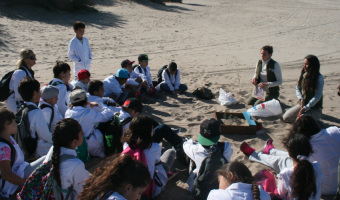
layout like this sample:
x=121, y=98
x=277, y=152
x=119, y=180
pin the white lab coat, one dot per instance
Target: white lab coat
x=146, y=74
x=132, y=78
x=122, y=116
x=80, y=84
x=80, y=51
x=63, y=96
x=173, y=81
x=101, y=101
x=112, y=86
x=48, y=114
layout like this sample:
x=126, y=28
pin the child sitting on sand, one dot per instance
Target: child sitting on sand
x=135, y=82
x=83, y=80
x=144, y=71
x=114, y=84
x=171, y=80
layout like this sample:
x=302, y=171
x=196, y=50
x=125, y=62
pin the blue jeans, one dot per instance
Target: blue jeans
x=166, y=88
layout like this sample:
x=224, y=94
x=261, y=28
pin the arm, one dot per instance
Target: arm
x=8, y=175
x=41, y=127
x=90, y=53
x=140, y=74
x=189, y=148
x=47, y=112
x=228, y=151
x=178, y=80
x=298, y=92
x=72, y=52
x=79, y=177
x=318, y=94
x=283, y=192
x=149, y=75
x=116, y=89
x=132, y=81
x=103, y=116
x=62, y=99
x=17, y=77
x=167, y=80
x=278, y=75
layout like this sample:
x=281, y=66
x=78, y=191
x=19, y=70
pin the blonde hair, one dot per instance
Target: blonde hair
x=24, y=53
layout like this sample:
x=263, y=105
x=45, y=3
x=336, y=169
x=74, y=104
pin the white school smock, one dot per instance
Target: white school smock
x=153, y=157
x=146, y=74
x=48, y=114
x=80, y=84
x=173, y=82
x=63, y=96
x=72, y=171
x=114, y=196
x=38, y=125
x=112, y=86
x=18, y=167
x=197, y=153
x=101, y=101
x=132, y=77
x=80, y=51
x=88, y=119
x=122, y=116
x=17, y=76
x=285, y=189
x=237, y=191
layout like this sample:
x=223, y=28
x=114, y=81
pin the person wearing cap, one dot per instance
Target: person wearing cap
x=88, y=119
x=135, y=81
x=209, y=135
x=47, y=104
x=114, y=84
x=144, y=71
x=171, y=80
x=83, y=80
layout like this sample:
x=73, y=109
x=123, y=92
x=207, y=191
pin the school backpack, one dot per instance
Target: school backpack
x=13, y=153
x=52, y=115
x=5, y=92
x=204, y=93
x=42, y=185
x=112, y=132
x=206, y=178
x=55, y=83
x=23, y=136
x=139, y=68
x=160, y=72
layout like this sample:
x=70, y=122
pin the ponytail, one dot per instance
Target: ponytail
x=24, y=53
x=65, y=131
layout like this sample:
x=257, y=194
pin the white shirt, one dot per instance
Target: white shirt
x=63, y=96
x=172, y=81
x=285, y=189
x=111, y=85
x=38, y=125
x=146, y=75
x=101, y=101
x=72, y=171
x=80, y=84
x=131, y=80
x=80, y=51
x=237, y=191
x=197, y=153
x=122, y=116
x=114, y=196
x=263, y=74
x=48, y=114
x=18, y=167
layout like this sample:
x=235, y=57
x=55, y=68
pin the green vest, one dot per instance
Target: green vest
x=307, y=96
x=270, y=75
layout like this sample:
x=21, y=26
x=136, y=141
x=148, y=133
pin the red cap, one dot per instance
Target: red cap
x=83, y=74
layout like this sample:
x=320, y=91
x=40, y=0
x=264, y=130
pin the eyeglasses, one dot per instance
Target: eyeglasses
x=32, y=57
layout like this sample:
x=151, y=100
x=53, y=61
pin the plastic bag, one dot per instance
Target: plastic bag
x=266, y=109
x=225, y=98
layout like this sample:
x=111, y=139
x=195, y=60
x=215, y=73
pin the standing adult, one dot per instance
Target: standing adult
x=268, y=76
x=308, y=90
x=24, y=68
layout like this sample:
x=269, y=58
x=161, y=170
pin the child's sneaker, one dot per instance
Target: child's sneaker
x=152, y=92
x=140, y=95
x=246, y=149
x=172, y=175
x=268, y=146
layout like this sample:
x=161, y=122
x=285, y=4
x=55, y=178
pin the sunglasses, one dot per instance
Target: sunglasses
x=32, y=57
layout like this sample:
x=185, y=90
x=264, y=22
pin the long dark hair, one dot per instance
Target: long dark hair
x=65, y=131
x=139, y=132
x=5, y=116
x=303, y=179
x=306, y=126
x=241, y=174
x=312, y=76
x=117, y=172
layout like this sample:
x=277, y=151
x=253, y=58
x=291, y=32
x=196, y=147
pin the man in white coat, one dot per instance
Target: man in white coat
x=79, y=50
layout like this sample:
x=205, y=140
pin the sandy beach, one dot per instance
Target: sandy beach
x=216, y=44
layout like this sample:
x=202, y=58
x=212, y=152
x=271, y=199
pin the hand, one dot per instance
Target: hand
x=139, y=80
x=302, y=103
x=178, y=91
x=93, y=104
x=253, y=81
x=302, y=111
x=263, y=85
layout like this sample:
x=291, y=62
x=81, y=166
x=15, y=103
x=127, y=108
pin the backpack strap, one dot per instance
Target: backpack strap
x=69, y=190
x=52, y=115
x=27, y=109
x=220, y=147
x=125, y=121
x=13, y=153
x=55, y=83
x=140, y=69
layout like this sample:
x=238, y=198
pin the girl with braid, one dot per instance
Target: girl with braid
x=67, y=135
x=237, y=183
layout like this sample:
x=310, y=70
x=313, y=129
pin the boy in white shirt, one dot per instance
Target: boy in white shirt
x=209, y=135
x=171, y=80
x=47, y=104
x=144, y=71
x=62, y=75
x=79, y=50
x=83, y=80
x=29, y=89
x=135, y=81
x=114, y=85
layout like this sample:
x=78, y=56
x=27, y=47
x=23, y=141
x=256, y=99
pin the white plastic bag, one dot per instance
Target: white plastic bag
x=266, y=109
x=225, y=98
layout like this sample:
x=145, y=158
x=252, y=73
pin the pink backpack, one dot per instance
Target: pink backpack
x=266, y=179
x=140, y=156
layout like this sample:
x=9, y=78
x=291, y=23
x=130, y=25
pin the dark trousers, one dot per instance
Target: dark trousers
x=163, y=131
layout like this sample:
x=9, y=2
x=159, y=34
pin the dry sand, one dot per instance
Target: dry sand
x=215, y=43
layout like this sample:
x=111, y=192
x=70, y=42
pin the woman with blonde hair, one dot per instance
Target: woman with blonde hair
x=24, y=68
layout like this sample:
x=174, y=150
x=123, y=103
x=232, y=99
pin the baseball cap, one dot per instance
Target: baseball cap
x=83, y=74
x=123, y=73
x=143, y=57
x=134, y=104
x=209, y=132
x=49, y=92
x=77, y=95
x=126, y=63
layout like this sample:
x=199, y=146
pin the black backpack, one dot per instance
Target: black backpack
x=206, y=179
x=204, y=93
x=160, y=72
x=23, y=136
x=13, y=153
x=5, y=92
x=52, y=115
x=112, y=132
